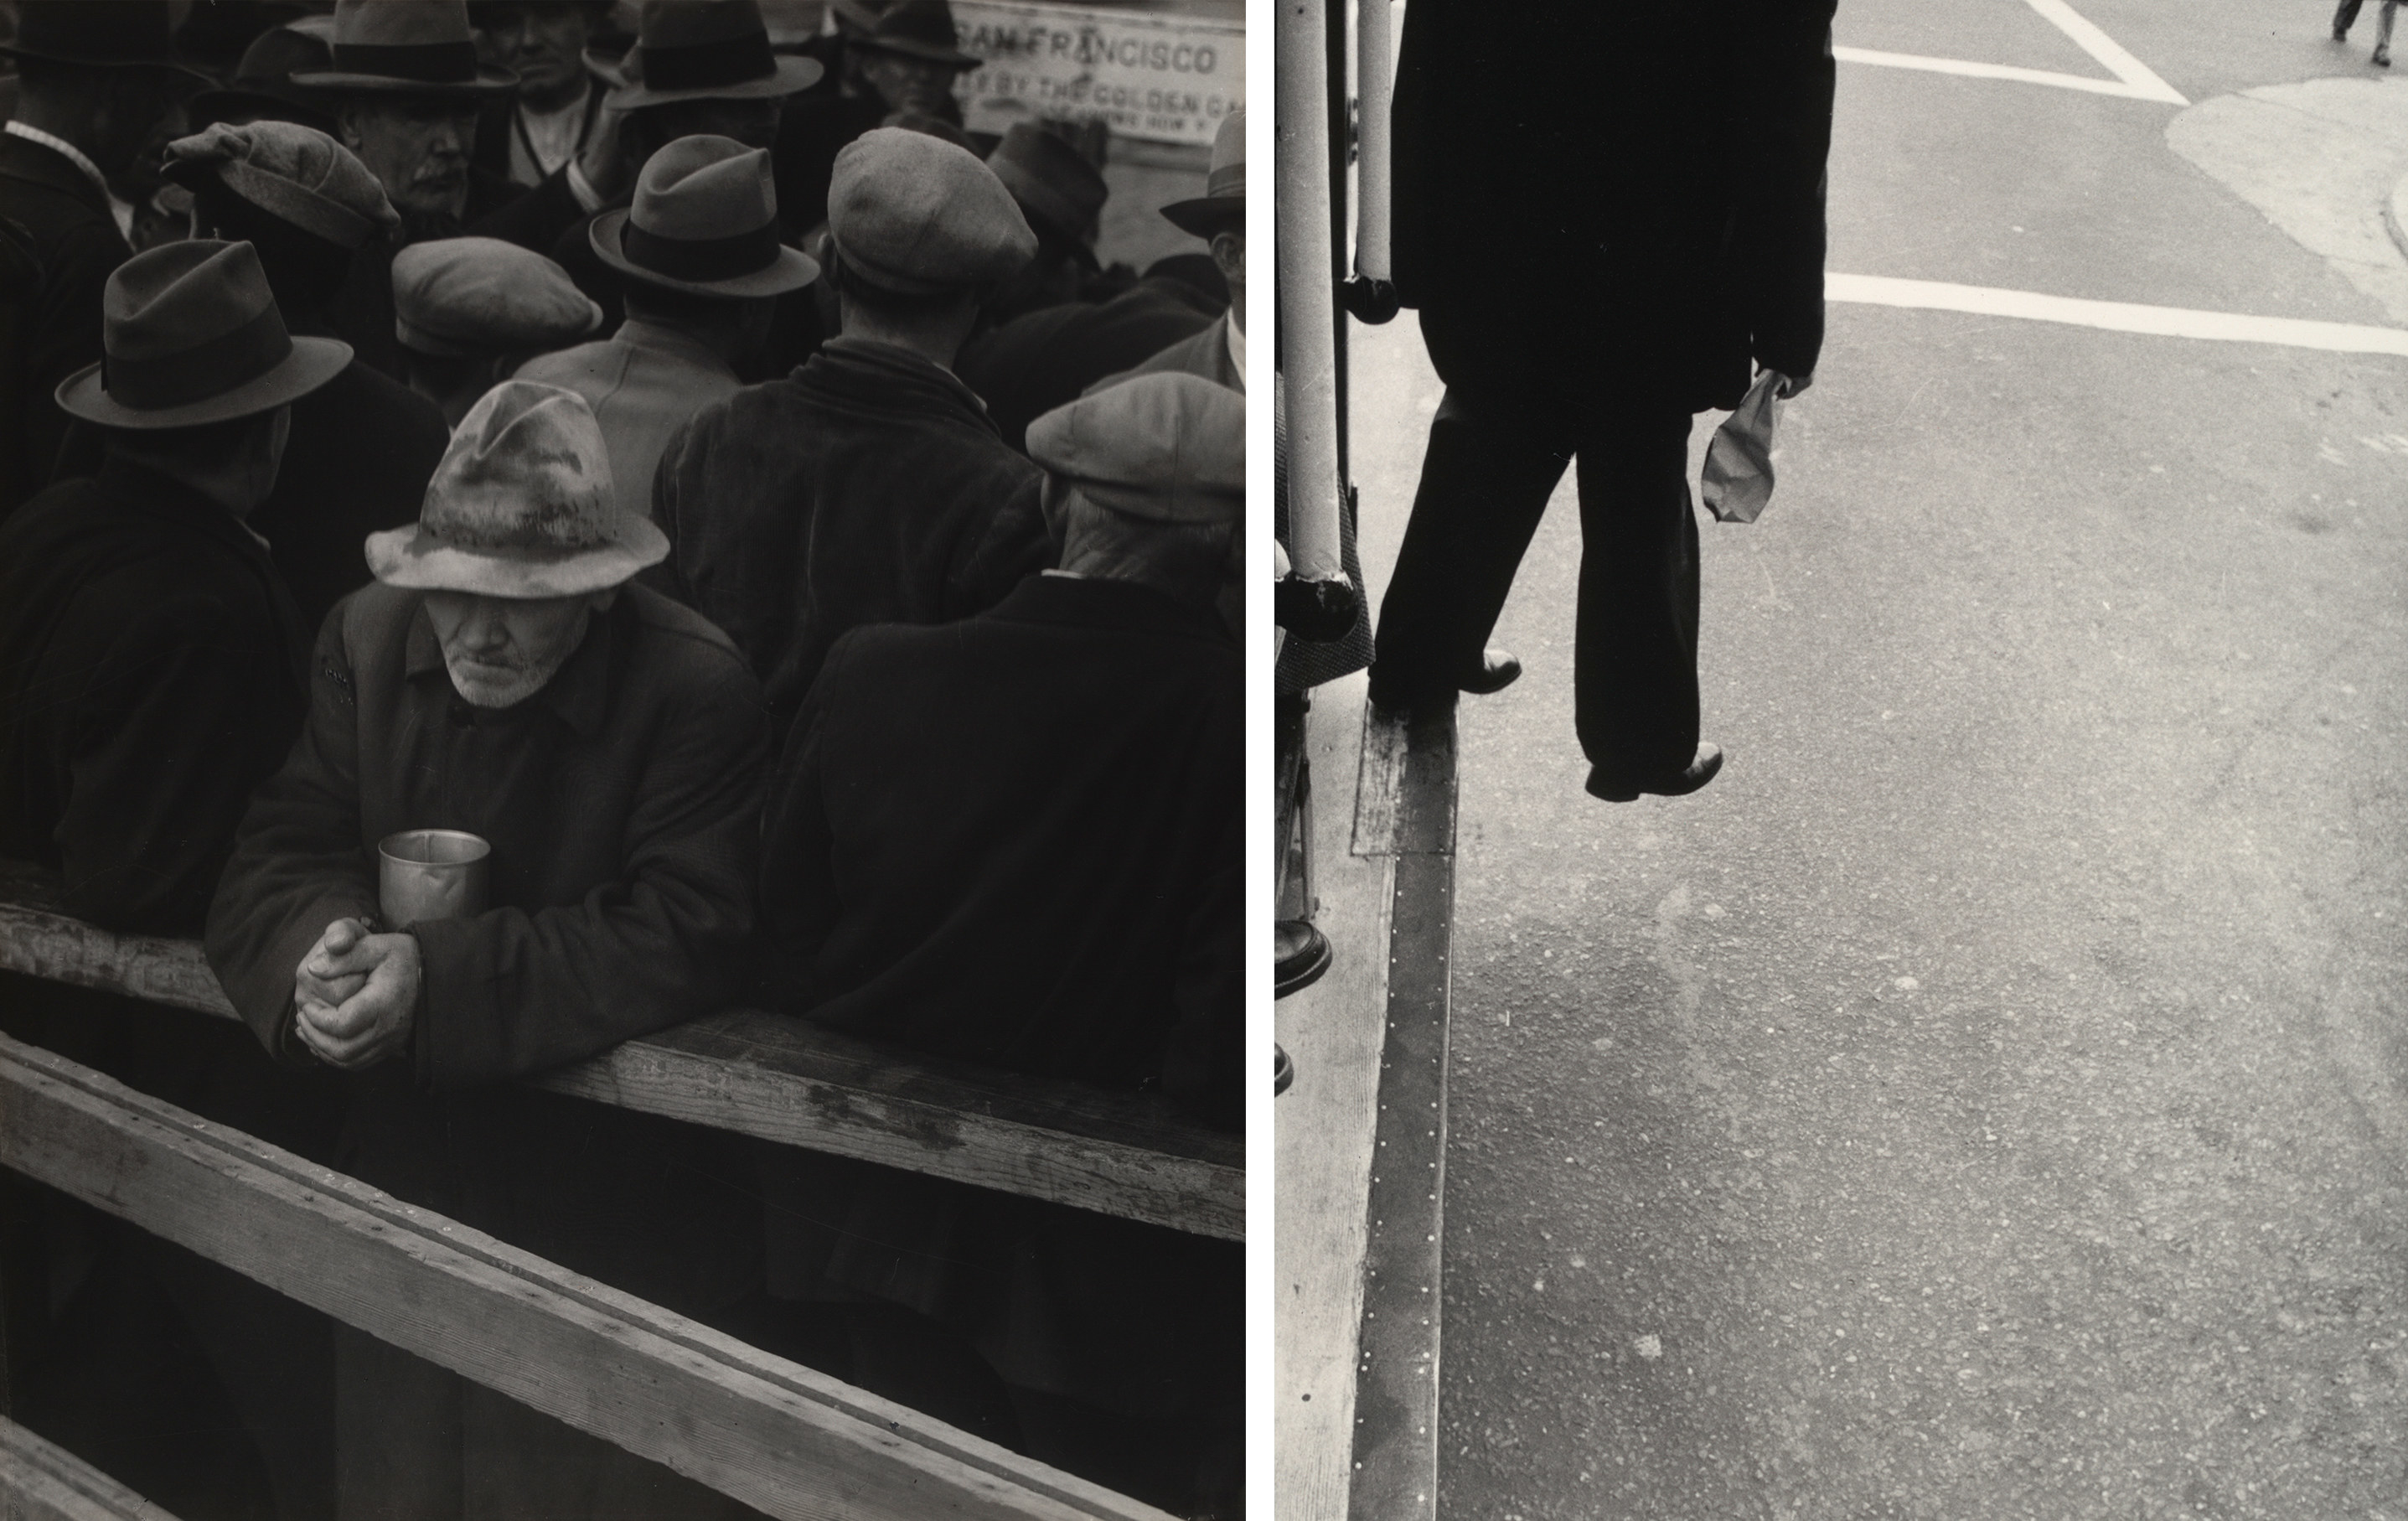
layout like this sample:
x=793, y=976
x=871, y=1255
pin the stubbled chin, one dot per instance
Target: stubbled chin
x=481, y=690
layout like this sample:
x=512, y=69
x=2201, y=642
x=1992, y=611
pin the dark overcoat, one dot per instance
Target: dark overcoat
x=152, y=674
x=1016, y=840
x=623, y=803
x=1614, y=198
x=75, y=245
x=867, y=487
x=1046, y=359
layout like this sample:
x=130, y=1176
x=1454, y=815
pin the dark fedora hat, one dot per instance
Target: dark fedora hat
x=405, y=47
x=133, y=34
x=190, y=335
x=922, y=29
x=1222, y=207
x=692, y=49
x=705, y=220
x=1052, y=180
x=262, y=86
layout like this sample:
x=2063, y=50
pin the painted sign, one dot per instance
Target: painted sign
x=1159, y=79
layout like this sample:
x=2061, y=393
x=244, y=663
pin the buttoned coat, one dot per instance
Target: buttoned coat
x=66, y=227
x=152, y=674
x=643, y=382
x=623, y=803
x=869, y=486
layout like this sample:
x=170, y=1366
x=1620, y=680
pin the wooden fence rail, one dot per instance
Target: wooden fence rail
x=40, y=1481
x=793, y=1443
x=778, y=1079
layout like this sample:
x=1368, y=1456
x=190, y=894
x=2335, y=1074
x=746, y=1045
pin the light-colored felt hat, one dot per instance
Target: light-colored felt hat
x=705, y=220
x=1223, y=205
x=1167, y=447
x=521, y=506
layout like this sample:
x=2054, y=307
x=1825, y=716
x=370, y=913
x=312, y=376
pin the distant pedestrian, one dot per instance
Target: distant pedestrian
x=2346, y=17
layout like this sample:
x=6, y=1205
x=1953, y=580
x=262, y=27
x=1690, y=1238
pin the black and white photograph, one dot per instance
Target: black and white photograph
x=624, y=773
x=1842, y=834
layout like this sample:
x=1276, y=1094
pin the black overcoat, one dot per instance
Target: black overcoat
x=1049, y=358
x=74, y=244
x=1614, y=198
x=622, y=802
x=867, y=487
x=152, y=674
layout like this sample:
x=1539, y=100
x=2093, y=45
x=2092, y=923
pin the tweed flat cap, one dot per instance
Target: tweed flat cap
x=915, y=214
x=454, y=297
x=294, y=173
x=521, y=505
x=1166, y=447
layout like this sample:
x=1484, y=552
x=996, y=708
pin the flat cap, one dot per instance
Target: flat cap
x=455, y=296
x=294, y=173
x=1167, y=447
x=913, y=213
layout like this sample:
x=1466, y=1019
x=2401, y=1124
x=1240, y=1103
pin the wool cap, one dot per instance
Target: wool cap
x=1223, y=205
x=911, y=213
x=1167, y=447
x=190, y=334
x=521, y=505
x=454, y=297
x=292, y=172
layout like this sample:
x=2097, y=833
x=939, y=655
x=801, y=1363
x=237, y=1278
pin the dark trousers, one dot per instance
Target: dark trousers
x=1491, y=464
x=2345, y=17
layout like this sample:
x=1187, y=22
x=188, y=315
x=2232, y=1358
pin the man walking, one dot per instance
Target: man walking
x=1593, y=268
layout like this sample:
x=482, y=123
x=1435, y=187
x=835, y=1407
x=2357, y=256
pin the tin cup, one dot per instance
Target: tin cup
x=424, y=874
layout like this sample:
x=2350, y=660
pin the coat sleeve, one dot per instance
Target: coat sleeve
x=798, y=899
x=509, y=993
x=298, y=865
x=1788, y=78
x=164, y=755
x=63, y=335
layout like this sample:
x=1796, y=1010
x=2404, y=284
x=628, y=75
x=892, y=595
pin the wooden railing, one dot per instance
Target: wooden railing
x=790, y=1442
x=778, y=1079
x=42, y=1481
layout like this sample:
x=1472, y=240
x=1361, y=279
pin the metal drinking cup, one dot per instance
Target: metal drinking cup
x=424, y=874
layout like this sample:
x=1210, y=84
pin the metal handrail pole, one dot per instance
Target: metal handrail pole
x=1307, y=307
x=1374, y=85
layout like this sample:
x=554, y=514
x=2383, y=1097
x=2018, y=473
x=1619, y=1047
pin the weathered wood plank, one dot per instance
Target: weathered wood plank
x=789, y=1440
x=40, y=1481
x=780, y=1079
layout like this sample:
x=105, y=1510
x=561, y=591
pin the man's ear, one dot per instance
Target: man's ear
x=1229, y=254
x=346, y=126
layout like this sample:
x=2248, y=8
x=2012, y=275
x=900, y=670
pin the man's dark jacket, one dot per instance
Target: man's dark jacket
x=75, y=246
x=1046, y=359
x=867, y=487
x=361, y=448
x=1016, y=840
x=152, y=674
x=623, y=803
x=1613, y=198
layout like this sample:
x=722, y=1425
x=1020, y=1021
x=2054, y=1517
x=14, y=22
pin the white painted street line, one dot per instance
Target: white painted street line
x=2133, y=79
x=2115, y=316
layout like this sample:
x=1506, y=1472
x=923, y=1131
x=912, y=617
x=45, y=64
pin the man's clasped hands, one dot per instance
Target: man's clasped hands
x=357, y=995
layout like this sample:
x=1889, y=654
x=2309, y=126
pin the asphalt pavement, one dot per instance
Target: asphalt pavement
x=1990, y=1097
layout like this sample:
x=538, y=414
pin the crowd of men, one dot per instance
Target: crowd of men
x=682, y=455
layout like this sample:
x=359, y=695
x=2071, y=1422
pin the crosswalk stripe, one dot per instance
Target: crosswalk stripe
x=2115, y=316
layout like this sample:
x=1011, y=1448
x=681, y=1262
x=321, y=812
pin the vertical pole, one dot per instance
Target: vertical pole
x=1375, y=82
x=1307, y=304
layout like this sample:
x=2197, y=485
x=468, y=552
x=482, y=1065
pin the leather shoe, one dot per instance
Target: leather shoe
x=1621, y=789
x=1299, y=955
x=1499, y=670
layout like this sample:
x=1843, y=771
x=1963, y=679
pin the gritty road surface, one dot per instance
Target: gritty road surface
x=1989, y=1098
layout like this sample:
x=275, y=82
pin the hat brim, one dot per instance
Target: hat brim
x=211, y=106
x=415, y=560
x=927, y=53
x=794, y=76
x=311, y=364
x=13, y=51
x=1207, y=214
x=489, y=82
x=790, y=271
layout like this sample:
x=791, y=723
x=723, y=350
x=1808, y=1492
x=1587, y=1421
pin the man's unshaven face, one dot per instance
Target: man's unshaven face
x=418, y=148
x=502, y=650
